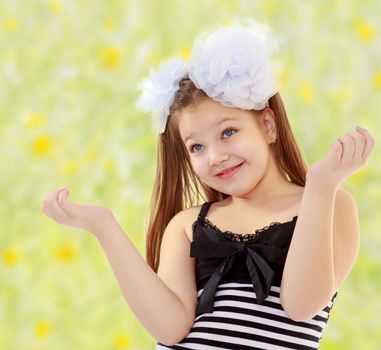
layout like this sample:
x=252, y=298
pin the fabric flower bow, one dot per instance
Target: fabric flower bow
x=158, y=90
x=231, y=65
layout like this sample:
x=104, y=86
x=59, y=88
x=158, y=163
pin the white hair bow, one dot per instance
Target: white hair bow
x=230, y=64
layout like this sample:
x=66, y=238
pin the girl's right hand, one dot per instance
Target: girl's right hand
x=87, y=217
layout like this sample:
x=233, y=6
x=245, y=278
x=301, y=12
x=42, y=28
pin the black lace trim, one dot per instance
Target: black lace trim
x=238, y=237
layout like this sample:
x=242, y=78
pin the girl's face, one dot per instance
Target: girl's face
x=218, y=137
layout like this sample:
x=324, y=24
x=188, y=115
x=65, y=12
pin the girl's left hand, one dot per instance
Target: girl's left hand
x=348, y=154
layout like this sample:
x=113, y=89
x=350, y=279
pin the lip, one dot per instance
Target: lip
x=229, y=172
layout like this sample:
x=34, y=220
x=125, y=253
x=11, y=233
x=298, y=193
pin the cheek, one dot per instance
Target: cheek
x=251, y=152
x=198, y=168
x=249, y=148
x=243, y=150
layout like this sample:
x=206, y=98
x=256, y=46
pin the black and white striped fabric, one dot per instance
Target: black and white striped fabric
x=238, y=323
x=234, y=318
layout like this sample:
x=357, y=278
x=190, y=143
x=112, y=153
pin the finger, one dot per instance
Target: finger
x=46, y=204
x=52, y=207
x=69, y=208
x=338, y=149
x=348, y=148
x=47, y=210
x=359, y=146
x=58, y=205
x=369, y=142
x=53, y=194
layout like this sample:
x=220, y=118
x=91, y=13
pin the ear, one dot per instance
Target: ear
x=267, y=121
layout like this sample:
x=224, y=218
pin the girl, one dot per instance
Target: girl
x=224, y=135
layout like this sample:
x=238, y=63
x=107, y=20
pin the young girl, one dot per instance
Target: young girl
x=224, y=135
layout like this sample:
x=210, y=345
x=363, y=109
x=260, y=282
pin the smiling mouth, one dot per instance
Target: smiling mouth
x=228, y=171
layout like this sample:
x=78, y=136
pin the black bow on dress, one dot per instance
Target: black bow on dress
x=209, y=246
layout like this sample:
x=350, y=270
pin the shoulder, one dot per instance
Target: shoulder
x=187, y=217
x=346, y=234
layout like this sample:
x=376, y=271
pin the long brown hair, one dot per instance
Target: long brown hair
x=177, y=187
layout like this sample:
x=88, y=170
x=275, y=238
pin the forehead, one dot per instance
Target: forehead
x=206, y=116
x=191, y=134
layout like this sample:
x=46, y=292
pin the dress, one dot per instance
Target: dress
x=238, y=283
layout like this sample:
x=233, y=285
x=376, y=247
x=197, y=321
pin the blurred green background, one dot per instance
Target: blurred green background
x=68, y=79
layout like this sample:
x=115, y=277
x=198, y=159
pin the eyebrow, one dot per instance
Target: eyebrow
x=219, y=122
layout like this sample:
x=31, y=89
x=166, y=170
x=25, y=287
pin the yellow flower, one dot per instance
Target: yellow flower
x=91, y=153
x=10, y=257
x=377, y=79
x=226, y=22
x=306, y=92
x=282, y=77
x=185, y=53
x=108, y=165
x=153, y=58
x=34, y=54
x=42, y=145
x=365, y=30
x=342, y=94
x=12, y=24
x=109, y=25
x=42, y=330
x=267, y=6
x=121, y=340
x=33, y=121
x=55, y=6
x=358, y=177
x=71, y=167
x=66, y=252
x=111, y=56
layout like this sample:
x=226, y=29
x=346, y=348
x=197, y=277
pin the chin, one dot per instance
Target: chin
x=234, y=192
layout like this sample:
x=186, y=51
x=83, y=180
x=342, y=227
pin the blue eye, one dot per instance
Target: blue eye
x=227, y=130
x=197, y=144
x=193, y=146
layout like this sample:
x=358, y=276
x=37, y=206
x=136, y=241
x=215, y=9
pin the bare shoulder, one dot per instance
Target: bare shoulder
x=188, y=217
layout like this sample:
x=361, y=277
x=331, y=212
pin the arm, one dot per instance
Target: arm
x=171, y=292
x=322, y=251
x=158, y=309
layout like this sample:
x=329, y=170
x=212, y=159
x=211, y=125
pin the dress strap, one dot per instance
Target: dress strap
x=204, y=209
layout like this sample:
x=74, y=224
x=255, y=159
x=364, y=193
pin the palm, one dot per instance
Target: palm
x=87, y=217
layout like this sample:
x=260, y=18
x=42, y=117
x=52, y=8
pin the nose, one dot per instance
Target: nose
x=217, y=155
